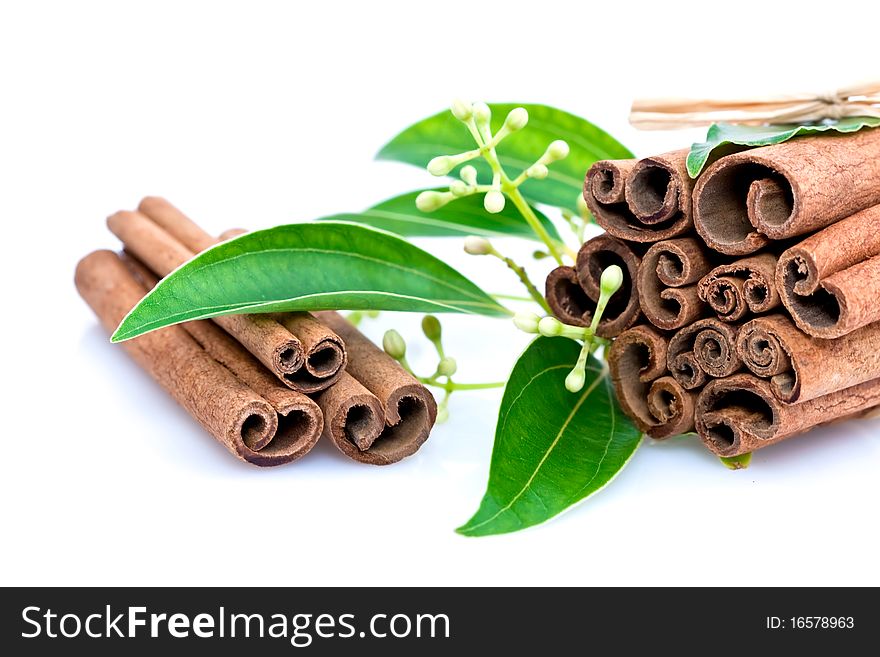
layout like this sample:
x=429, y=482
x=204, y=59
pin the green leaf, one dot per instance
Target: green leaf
x=463, y=217
x=726, y=137
x=740, y=462
x=443, y=134
x=326, y=266
x=552, y=448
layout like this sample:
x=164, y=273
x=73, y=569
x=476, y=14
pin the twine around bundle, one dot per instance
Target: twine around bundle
x=671, y=113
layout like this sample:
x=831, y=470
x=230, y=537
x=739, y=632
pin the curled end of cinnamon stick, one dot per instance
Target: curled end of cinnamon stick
x=672, y=407
x=658, y=189
x=676, y=264
x=593, y=258
x=324, y=353
x=268, y=438
x=762, y=347
x=816, y=307
x=637, y=357
x=566, y=297
x=736, y=414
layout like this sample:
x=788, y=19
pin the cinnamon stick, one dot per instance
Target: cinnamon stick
x=377, y=412
x=656, y=403
x=665, y=283
x=593, y=257
x=641, y=201
x=801, y=367
x=829, y=282
x=706, y=348
x=740, y=413
x=229, y=409
x=785, y=190
x=747, y=285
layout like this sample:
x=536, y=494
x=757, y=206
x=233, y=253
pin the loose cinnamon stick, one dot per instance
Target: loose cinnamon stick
x=705, y=348
x=829, y=282
x=747, y=285
x=740, y=413
x=377, y=412
x=787, y=189
x=666, y=277
x=657, y=404
x=801, y=367
x=594, y=256
x=641, y=201
x=242, y=420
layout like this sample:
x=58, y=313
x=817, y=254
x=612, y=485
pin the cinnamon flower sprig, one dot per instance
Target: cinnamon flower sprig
x=609, y=283
x=395, y=346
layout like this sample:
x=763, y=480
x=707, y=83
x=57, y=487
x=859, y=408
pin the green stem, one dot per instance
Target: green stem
x=524, y=279
x=450, y=386
x=511, y=297
x=528, y=214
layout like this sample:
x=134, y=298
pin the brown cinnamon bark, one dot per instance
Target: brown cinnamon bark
x=740, y=413
x=829, y=282
x=706, y=348
x=747, y=285
x=377, y=412
x=801, y=367
x=657, y=404
x=641, y=201
x=787, y=189
x=236, y=415
x=666, y=277
x=593, y=257
x=567, y=298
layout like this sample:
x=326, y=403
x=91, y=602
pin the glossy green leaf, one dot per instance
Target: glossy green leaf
x=553, y=448
x=724, y=138
x=326, y=266
x=463, y=217
x=443, y=134
x=740, y=462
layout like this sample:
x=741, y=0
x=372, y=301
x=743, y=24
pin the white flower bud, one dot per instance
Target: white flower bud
x=550, y=327
x=462, y=110
x=574, y=382
x=430, y=200
x=394, y=344
x=516, y=119
x=493, y=202
x=526, y=321
x=482, y=113
x=557, y=150
x=458, y=188
x=469, y=174
x=447, y=367
x=441, y=165
x=611, y=280
x=537, y=171
x=475, y=245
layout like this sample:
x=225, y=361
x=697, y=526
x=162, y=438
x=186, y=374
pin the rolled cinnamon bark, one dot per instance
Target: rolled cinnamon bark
x=567, y=298
x=376, y=412
x=705, y=348
x=665, y=283
x=229, y=409
x=787, y=189
x=657, y=404
x=306, y=363
x=829, y=281
x=641, y=201
x=801, y=367
x=622, y=310
x=747, y=285
x=740, y=413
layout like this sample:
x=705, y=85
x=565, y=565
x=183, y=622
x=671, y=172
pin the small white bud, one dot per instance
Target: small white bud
x=550, y=327
x=482, y=113
x=574, y=382
x=441, y=165
x=469, y=174
x=475, y=245
x=430, y=201
x=447, y=367
x=516, y=119
x=526, y=321
x=611, y=280
x=557, y=150
x=493, y=202
x=537, y=171
x=462, y=110
x=458, y=188
x=442, y=415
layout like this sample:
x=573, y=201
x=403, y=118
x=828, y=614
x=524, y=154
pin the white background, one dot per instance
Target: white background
x=255, y=114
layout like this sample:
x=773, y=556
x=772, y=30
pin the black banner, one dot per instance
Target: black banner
x=433, y=621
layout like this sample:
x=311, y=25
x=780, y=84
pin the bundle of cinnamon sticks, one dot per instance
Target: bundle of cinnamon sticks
x=267, y=387
x=748, y=311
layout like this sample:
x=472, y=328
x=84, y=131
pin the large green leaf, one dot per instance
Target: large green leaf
x=552, y=448
x=462, y=217
x=443, y=134
x=722, y=138
x=326, y=266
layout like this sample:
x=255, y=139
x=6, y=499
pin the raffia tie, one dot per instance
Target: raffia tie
x=671, y=113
